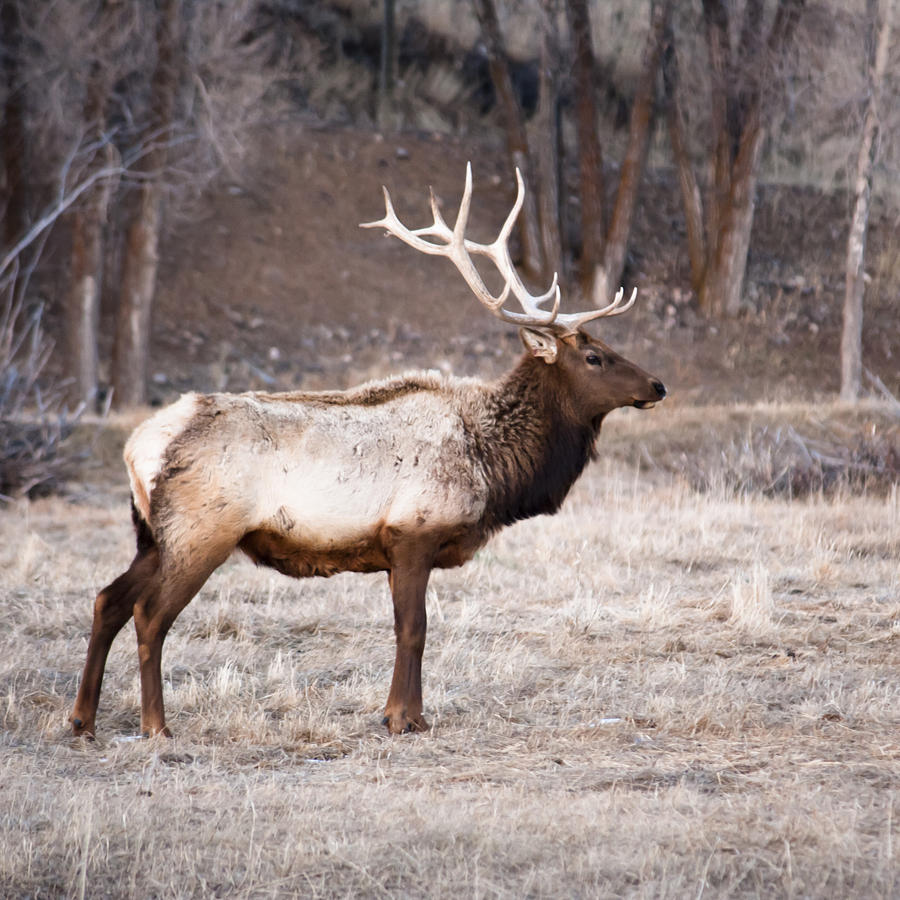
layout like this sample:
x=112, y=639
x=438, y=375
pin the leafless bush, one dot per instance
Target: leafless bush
x=779, y=451
x=34, y=419
x=780, y=461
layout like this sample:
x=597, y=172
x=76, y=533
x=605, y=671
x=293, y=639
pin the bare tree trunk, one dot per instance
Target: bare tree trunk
x=131, y=351
x=590, y=155
x=516, y=134
x=13, y=193
x=851, y=336
x=690, y=192
x=388, y=66
x=82, y=308
x=139, y=267
x=739, y=134
x=635, y=158
x=730, y=263
x=715, y=15
x=549, y=140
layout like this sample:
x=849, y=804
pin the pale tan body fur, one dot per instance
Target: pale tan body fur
x=326, y=472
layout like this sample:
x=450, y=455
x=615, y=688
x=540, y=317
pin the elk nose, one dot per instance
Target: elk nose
x=660, y=389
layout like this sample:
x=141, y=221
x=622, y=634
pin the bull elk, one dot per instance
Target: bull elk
x=403, y=476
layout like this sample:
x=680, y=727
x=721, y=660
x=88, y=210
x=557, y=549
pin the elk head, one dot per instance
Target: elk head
x=594, y=379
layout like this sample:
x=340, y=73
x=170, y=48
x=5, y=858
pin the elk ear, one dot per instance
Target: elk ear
x=539, y=343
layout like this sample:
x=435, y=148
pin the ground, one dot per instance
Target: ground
x=658, y=692
x=683, y=684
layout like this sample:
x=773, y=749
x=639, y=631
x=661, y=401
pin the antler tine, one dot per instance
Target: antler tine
x=436, y=214
x=462, y=217
x=449, y=247
x=506, y=230
x=392, y=224
x=571, y=322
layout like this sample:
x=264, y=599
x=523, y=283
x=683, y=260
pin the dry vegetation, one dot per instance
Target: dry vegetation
x=660, y=692
x=35, y=421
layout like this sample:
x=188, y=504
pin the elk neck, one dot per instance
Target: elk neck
x=532, y=445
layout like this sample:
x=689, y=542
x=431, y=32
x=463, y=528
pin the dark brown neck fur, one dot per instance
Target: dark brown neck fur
x=532, y=446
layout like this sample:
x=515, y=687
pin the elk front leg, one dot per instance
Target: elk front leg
x=403, y=711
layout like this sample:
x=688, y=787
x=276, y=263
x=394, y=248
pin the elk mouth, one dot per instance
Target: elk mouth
x=661, y=392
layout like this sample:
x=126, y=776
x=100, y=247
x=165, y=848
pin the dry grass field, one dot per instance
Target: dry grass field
x=659, y=692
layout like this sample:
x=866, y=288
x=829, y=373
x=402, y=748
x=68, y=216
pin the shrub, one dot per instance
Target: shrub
x=780, y=461
x=34, y=418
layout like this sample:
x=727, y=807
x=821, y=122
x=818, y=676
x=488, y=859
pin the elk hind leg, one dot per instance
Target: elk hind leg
x=113, y=607
x=154, y=615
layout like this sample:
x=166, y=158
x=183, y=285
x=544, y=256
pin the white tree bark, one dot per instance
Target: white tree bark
x=851, y=337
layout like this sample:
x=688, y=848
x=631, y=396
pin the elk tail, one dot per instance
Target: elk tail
x=145, y=539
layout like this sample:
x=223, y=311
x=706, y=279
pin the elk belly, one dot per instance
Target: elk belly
x=301, y=559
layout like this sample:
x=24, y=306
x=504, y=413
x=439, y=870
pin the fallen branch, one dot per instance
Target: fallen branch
x=882, y=389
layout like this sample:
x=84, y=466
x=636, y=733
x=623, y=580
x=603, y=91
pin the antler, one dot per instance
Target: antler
x=453, y=244
x=457, y=248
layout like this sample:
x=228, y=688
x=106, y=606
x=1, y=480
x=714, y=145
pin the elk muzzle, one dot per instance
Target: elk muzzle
x=660, y=389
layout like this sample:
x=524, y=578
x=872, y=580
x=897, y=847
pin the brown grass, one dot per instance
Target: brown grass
x=659, y=692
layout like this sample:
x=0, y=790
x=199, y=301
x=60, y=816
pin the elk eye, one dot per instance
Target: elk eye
x=593, y=360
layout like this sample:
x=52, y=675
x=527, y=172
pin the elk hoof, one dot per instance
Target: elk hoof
x=147, y=733
x=405, y=725
x=81, y=729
